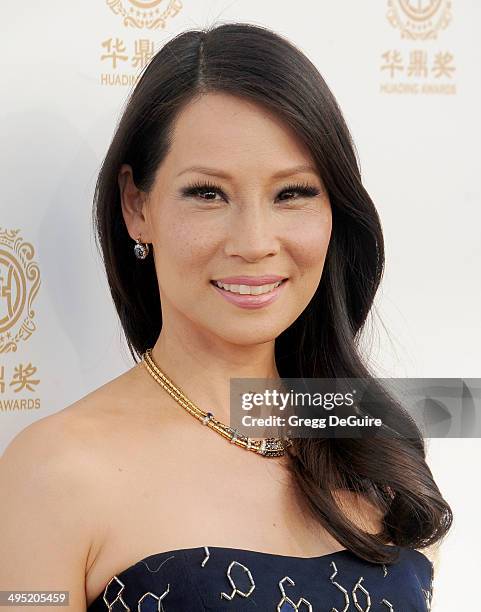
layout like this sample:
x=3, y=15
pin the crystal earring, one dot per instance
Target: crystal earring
x=141, y=249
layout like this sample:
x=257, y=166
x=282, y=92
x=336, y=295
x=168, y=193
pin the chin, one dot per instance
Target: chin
x=248, y=334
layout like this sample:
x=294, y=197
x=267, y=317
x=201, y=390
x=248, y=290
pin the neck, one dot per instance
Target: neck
x=201, y=366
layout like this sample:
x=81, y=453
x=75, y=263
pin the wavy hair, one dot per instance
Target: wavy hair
x=259, y=65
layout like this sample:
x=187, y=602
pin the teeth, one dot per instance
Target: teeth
x=248, y=289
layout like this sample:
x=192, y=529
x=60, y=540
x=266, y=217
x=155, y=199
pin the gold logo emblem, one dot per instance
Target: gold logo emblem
x=19, y=285
x=419, y=19
x=150, y=14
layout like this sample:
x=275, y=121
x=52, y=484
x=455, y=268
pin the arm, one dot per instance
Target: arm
x=45, y=534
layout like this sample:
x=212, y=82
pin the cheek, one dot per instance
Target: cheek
x=309, y=240
x=184, y=251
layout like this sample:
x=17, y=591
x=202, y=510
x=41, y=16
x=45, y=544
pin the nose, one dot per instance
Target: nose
x=252, y=234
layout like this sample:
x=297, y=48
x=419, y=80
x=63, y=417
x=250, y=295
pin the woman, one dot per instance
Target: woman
x=231, y=168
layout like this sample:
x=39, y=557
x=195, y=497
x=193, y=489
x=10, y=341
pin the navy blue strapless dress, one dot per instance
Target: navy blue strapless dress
x=234, y=580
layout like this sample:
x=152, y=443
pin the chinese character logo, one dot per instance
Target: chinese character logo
x=150, y=14
x=116, y=52
x=19, y=285
x=419, y=19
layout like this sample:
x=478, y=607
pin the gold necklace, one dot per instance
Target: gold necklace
x=268, y=447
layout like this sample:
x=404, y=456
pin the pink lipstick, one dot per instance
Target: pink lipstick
x=251, y=301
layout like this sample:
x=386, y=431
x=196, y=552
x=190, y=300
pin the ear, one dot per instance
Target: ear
x=133, y=202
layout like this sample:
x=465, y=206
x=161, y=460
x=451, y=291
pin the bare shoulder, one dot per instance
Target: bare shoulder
x=62, y=449
x=114, y=398
x=72, y=431
x=52, y=477
x=84, y=441
x=46, y=526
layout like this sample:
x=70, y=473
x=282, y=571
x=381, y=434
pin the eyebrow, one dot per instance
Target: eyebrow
x=224, y=175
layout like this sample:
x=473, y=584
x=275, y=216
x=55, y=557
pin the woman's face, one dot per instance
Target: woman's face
x=232, y=216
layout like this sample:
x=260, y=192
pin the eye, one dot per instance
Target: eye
x=304, y=190
x=199, y=189
x=195, y=189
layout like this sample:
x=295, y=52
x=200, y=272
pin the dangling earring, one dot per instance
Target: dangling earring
x=141, y=249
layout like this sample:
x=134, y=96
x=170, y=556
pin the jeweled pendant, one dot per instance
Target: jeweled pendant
x=273, y=447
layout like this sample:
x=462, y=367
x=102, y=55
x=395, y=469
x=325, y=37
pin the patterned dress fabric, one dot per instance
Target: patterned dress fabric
x=234, y=580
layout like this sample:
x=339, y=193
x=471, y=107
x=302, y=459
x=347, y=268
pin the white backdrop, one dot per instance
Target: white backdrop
x=407, y=76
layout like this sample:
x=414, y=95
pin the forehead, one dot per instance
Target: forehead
x=234, y=134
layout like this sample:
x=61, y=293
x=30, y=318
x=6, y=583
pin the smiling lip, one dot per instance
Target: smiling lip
x=251, y=301
x=250, y=280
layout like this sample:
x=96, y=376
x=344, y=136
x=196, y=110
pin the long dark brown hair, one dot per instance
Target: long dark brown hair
x=259, y=65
